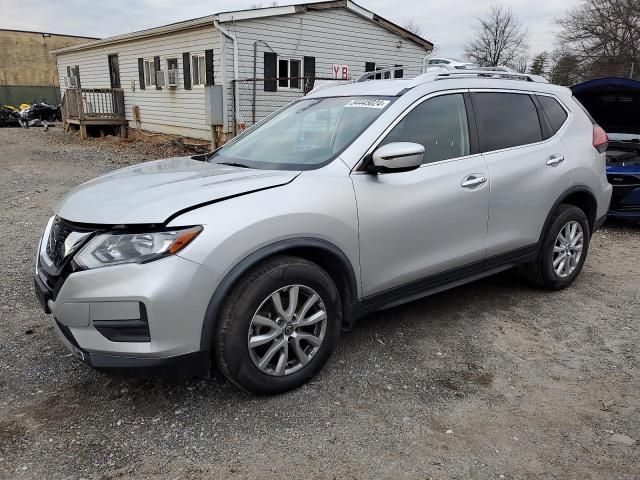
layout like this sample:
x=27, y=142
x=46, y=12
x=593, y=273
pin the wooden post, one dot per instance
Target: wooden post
x=80, y=104
x=83, y=131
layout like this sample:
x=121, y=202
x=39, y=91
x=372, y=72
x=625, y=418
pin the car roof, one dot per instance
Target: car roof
x=346, y=89
x=434, y=82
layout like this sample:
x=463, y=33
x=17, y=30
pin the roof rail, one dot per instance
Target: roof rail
x=442, y=71
x=477, y=73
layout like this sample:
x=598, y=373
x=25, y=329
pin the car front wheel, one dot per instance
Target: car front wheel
x=278, y=326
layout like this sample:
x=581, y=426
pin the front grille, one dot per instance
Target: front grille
x=60, y=230
x=623, y=180
x=60, y=254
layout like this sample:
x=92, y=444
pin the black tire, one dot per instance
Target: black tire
x=540, y=272
x=231, y=350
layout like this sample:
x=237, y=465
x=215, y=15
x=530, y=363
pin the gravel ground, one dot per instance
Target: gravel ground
x=490, y=380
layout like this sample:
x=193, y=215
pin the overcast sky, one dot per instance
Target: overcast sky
x=445, y=22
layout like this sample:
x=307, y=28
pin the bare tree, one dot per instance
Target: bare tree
x=603, y=36
x=520, y=64
x=500, y=39
x=413, y=27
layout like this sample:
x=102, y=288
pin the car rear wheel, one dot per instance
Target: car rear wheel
x=563, y=250
x=278, y=326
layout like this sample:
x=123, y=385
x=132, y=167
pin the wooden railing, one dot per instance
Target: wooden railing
x=93, y=104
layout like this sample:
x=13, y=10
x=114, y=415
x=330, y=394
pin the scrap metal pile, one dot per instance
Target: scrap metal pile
x=29, y=115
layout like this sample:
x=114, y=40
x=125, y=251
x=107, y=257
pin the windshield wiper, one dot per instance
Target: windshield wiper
x=234, y=164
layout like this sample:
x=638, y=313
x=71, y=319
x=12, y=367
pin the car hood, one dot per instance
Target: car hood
x=613, y=103
x=155, y=191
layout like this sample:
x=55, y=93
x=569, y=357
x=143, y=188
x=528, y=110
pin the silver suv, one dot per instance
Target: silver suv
x=355, y=198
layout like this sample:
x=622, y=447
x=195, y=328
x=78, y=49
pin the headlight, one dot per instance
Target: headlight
x=115, y=248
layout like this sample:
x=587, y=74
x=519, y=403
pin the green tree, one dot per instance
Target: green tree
x=539, y=64
x=565, y=69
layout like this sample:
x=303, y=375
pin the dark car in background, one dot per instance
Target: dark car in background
x=614, y=103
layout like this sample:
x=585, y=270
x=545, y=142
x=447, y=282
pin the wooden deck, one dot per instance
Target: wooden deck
x=94, y=106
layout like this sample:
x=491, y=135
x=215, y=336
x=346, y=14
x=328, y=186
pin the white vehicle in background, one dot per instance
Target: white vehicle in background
x=449, y=62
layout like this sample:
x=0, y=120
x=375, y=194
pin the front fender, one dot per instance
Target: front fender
x=323, y=209
x=246, y=264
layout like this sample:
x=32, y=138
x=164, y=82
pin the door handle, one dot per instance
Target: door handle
x=555, y=160
x=473, y=181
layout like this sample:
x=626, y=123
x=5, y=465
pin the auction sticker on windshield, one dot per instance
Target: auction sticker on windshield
x=367, y=103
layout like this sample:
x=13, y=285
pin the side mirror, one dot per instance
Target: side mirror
x=399, y=156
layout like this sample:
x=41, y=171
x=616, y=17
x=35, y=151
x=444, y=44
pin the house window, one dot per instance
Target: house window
x=149, y=72
x=289, y=73
x=198, y=70
x=172, y=72
x=172, y=63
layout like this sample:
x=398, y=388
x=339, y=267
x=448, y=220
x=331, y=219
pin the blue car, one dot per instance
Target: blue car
x=614, y=103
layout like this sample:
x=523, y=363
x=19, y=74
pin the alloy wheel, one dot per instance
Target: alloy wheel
x=567, y=249
x=287, y=330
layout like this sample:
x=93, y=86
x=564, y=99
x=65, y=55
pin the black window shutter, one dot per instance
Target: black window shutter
x=156, y=67
x=186, y=70
x=141, y=73
x=309, y=72
x=68, y=71
x=77, y=69
x=208, y=60
x=399, y=73
x=270, y=72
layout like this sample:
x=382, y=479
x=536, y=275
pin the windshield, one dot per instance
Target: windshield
x=306, y=135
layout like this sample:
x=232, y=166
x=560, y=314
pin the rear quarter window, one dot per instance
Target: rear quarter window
x=554, y=112
x=506, y=120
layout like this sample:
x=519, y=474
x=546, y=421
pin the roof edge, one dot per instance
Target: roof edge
x=241, y=15
x=37, y=32
x=140, y=34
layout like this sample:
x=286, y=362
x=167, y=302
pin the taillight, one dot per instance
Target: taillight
x=600, y=139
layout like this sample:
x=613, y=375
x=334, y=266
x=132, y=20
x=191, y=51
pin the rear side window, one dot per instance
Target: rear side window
x=554, y=112
x=439, y=124
x=506, y=120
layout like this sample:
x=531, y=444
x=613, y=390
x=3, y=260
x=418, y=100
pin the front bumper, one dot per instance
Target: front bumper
x=197, y=363
x=132, y=315
x=625, y=197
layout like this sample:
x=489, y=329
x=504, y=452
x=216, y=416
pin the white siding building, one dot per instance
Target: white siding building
x=295, y=44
